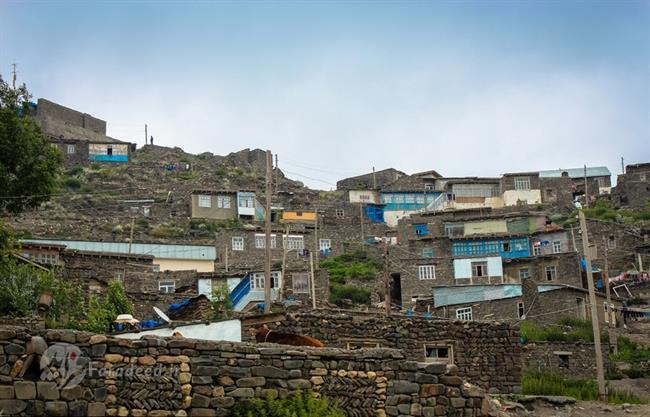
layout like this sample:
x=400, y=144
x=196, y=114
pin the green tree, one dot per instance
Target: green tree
x=29, y=166
x=220, y=305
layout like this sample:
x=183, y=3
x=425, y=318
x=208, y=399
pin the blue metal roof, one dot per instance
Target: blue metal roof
x=193, y=252
x=445, y=296
x=576, y=172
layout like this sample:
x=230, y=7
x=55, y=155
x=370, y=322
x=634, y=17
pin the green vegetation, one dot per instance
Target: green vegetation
x=357, y=265
x=299, y=405
x=71, y=183
x=634, y=354
x=354, y=293
x=568, y=329
x=604, y=211
x=220, y=305
x=215, y=225
x=102, y=312
x=187, y=175
x=29, y=165
x=167, y=230
x=546, y=383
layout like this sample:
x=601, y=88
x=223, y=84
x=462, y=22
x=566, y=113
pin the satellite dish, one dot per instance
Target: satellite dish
x=162, y=315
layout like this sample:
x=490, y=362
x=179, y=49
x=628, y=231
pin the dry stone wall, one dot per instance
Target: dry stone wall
x=486, y=353
x=182, y=377
x=567, y=359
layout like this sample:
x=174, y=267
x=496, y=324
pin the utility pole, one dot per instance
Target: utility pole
x=316, y=242
x=586, y=192
x=267, y=227
x=276, y=173
x=226, y=258
x=132, y=227
x=361, y=220
x=14, y=72
x=146, y=135
x=387, y=299
x=573, y=239
x=602, y=389
x=313, y=281
x=284, y=261
x=610, y=326
x=622, y=166
x=374, y=179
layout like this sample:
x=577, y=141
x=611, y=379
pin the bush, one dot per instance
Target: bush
x=547, y=383
x=299, y=405
x=356, y=265
x=353, y=293
x=102, y=312
x=629, y=351
x=568, y=329
x=72, y=183
x=167, y=230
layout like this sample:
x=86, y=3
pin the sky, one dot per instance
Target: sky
x=335, y=88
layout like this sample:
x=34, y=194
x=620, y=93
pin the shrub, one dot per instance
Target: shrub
x=568, y=329
x=299, y=405
x=356, y=265
x=353, y=293
x=547, y=383
x=167, y=230
x=72, y=183
x=629, y=351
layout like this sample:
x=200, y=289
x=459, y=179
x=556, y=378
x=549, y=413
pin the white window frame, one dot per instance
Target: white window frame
x=537, y=250
x=119, y=274
x=557, y=246
x=246, y=201
x=484, y=269
x=205, y=200
x=521, y=311
x=294, y=242
x=71, y=149
x=257, y=280
x=167, y=287
x=523, y=275
x=552, y=269
x=303, y=277
x=611, y=242
x=237, y=243
x=426, y=272
x=223, y=201
x=436, y=359
x=522, y=183
x=464, y=313
x=260, y=241
x=324, y=244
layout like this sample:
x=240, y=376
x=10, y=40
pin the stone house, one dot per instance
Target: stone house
x=80, y=137
x=214, y=205
x=598, y=180
x=633, y=187
x=371, y=180
x=559, y=268
x=406, y=196
x=520, y=189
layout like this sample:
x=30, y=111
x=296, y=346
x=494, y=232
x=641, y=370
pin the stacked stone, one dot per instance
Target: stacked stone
x=487, y=354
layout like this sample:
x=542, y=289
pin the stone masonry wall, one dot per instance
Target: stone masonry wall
x=180, y=377
x=486, y=353
x=567, y=359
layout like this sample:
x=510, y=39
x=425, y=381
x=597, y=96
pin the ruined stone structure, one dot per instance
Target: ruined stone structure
x=572, y=360
x=632, y=188
x=180, y=377
x=486, y=354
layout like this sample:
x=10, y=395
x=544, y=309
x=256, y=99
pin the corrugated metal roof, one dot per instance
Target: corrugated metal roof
x=445, y=296
x=194, y=252
x=576, y=172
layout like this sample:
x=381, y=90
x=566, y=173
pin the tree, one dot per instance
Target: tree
x=220, y=305
x=29, y=166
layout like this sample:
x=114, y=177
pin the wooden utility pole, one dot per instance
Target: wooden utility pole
x=313, y=281
x=275, y=180
x=374, y=179
x=611, y=332
x=573, y=239
x=267, y=227
x=284, y=261
x=316, y=242
x=226, y=258
x=146, y=135
x=586, y=192
x=602, y=389
x=387, y=299
x=622, y=166
x=361, y=220
x=132, y=227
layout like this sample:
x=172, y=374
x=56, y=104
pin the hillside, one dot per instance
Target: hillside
x=96, y=201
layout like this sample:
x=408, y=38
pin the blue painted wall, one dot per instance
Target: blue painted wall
x=407, y=200
x=519, y=247
x=109, y=158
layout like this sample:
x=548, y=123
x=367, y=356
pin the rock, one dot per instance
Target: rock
x=72, y=393
x=6, y=392
x=47, y=390
x=36, y=345
x=269, y=372
x=78, y=409
x=14, y=349
x=10, y=407
x=97, y=339
x=256, y=381
x=202, y=412
x=242, y=393
x=405, y=387
x=25, y=390
x=56, y=408
x=96, y=410
x=200, y=401
x=298, y=384
x=113, y=358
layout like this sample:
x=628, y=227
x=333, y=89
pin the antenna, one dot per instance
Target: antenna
x=14, y=72
x=162, y=315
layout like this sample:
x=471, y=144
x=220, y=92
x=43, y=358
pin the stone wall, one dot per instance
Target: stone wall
x=31, y=323
x=48, y=108
x=180, y=377
x=568, y=359
x=487, y=354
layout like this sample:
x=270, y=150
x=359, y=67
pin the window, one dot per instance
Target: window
x=506, y=246
x=409, y=198
x=71, y=149
x=557, y=246
x=601, y=183
x=155, y=268
x=387, y=198
x=429, y=187
x=642, y=177
x=611, y=242
x=426, y=272
x=398, y=198
x=257, y=280
x=223, y=201
x=438, y=353
x=551, y=273
x=119, y=275
x=246, y=201
x=419, y=199
x=420, y=230
x=205, y=201
x=524, y=273
x=479, y=269
x=563, y=359
x=325, y=244
x=364, y=197
x=166, y=286
x=237, y=243
x=260, y=241
x=537, y=250
x=520, y=310
x=522, y=183
x=146, y=212
x=454, y=229
x=300, y=282
x=294, y=242
x=340, y=213
x=464, y=313
x=428, y=253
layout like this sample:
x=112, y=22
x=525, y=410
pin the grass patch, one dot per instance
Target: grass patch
x=546, y=383
x=298, y=405
x=357, y=265
x=568, y=329
x=215, y=225
x=167, y=230
x=629, y=351
x=357, y=295
x=603, y=210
